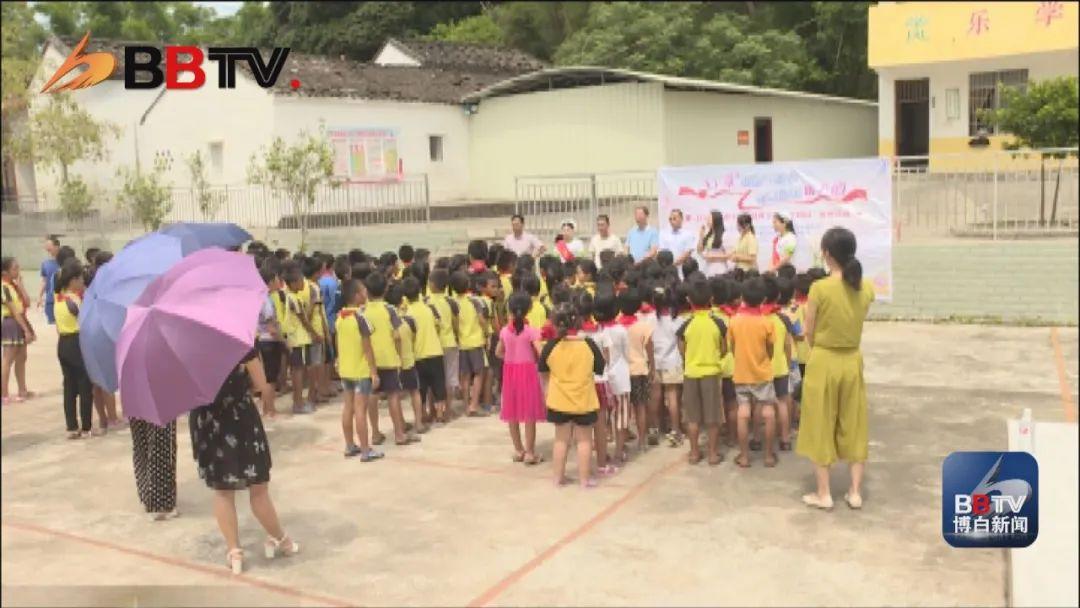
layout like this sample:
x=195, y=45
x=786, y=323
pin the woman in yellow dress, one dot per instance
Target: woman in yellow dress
x=746, y=250
x=834, y=416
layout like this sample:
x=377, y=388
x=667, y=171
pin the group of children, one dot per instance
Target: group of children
x=673, y=353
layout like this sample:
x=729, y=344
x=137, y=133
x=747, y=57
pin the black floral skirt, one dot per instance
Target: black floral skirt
x=229, y=443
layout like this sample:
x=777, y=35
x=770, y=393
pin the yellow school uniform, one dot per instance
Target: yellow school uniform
x=407, y=331
x=834, y=418
x=490, y=305
x=703, y=334
x=350, y=328
x=470, y=328
x=780, y=365
x=316, y=311
x=385, y=324
x=802, y=348
x=278, y=298
x=426, y=341
x=537, y=315
x=447, y=310
x=12, y=303
x=572, y=365
x=727, y=362
x=297, y=335
x=66, y=312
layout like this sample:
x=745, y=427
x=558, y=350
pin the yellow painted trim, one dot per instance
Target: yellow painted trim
x=907, y=33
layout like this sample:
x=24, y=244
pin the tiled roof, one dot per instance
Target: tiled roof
x=469, y=57
x=323, y=76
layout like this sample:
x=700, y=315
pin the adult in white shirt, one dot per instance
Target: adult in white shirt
x=604, y=240
x=521, y=242
x=679, y=241
x=784, y=243
x=710, y=245
x=571, y=247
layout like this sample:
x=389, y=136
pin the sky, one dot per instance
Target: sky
x=223, y=9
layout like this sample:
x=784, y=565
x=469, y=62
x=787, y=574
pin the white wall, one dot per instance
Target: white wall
x=615, y=127
x=954, y=74
x=414, y=122
x=702, y=128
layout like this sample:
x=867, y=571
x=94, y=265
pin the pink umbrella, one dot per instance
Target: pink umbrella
x=186, y=332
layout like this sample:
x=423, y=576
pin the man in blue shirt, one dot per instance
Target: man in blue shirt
x=48, y=273
x=679, y=241
x=643, y=240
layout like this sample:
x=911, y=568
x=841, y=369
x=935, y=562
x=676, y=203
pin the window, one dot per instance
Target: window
x=435, y=148
x=217, y=160
x=984, y=93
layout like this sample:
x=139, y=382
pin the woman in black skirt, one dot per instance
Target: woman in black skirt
x=154, y=457
x=232, y=453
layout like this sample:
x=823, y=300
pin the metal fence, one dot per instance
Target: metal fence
x=406, y=201
x=996, y=194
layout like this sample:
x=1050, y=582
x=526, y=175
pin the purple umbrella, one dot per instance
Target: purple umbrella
x=186, y=333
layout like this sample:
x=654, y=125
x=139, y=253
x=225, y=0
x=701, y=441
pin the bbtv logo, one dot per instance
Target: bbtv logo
x=178, y=59
x=990, y=499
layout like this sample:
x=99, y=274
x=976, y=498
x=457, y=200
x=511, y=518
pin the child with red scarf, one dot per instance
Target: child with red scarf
x=16, y=328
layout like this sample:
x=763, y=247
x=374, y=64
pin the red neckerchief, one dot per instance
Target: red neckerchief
x=626, y=320
x=729, y=310
x=607, y=324
x=571, y=332
x=750, y=310
x=564, y=251
x=768, y=309
x=801, y=299
x=547, y=332
x=589, y=326
x=775, y=256
x=700, y=308
x=647, y=308
x=477, y=266
x=18, y=293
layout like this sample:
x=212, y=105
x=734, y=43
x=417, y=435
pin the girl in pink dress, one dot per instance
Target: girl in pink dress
x=522, y=398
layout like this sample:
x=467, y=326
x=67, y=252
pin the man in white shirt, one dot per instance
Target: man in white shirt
x=603, y=240
x=679, y=241
x=521, y=242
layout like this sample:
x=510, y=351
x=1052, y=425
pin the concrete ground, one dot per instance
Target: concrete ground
x=452, y=521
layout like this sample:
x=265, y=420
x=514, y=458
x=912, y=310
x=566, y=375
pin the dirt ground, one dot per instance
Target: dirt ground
x=452, y=521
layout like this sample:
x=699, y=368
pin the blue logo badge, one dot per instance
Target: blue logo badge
x=990, y=499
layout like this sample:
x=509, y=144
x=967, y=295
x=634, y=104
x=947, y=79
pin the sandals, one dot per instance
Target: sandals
x=371, y=455
x=743, y=462
x=607, y=470
x=815, y=501
x=28, y=395
x=770, y=461
x=533, y=460
x=693, y=458
x=476, y=414
x=785, y=446
x=854, y=502
x=235, y=560
x=74, y=435
x=715, y=460
x=519, y=457
x=408, y=440
x=378, y=438
x=277, y=546
x=589, y=483
x=560, y=482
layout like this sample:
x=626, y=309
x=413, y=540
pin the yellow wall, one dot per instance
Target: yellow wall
x=617, y=127
x=902, y=33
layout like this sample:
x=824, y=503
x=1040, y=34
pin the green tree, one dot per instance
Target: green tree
x=172, y=22
x=1042, y=115
x=478, y=29
x=209, y=202
x=145, y=194
x=61, y=133
x=76, y=199
x=21, y=40
x=689, y=39
x=295, y=171
x=538, y=28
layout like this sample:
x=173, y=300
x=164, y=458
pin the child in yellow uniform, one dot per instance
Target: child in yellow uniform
x=702, y=342
x=301, y=336
x=571, y=361
x=781, y=360
x=834, y=418
x=538, y=312
x=751, y=337
x=430, y=366
x=319, y=375
x=472, y=321
x=724, y=294
x=69, y=286
x=447, y=309
x=489, y=289
x=410, y=379
x=355, y=364
x=17, y=331
x=386, y=345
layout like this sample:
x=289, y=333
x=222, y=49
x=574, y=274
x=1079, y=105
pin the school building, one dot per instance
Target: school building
x=465, y=119
x=938, y=63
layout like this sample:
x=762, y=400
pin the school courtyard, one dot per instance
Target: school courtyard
x=452, y=521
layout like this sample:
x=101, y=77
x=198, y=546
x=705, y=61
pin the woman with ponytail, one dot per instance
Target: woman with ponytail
x=834, y=416
x=522, y=399
x=784, y=243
